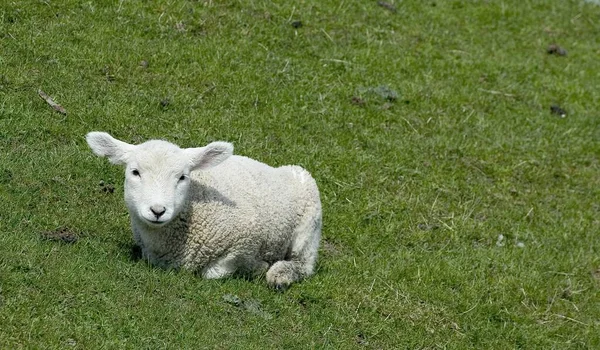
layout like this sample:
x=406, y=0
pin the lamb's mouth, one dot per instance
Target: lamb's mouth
x=156, y=222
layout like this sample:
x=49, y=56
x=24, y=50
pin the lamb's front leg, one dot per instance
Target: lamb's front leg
x=222, y=267
x=231, y=264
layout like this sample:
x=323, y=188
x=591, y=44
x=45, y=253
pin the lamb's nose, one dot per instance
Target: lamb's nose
x=158, y=210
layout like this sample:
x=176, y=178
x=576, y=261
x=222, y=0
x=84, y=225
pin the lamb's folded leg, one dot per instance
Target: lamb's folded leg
x=301, y=260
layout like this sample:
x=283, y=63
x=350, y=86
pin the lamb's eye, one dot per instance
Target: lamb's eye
x=182, y=178
x=135, y=172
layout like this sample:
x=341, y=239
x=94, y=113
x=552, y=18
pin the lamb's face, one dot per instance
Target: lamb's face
x=157, y=173
x=157, y=179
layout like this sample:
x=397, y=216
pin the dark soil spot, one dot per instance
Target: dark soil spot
x=165, y=102
x=106, y=188
x=297, y=24
x=357, y=101
x=556, y=110
x=63, y=234
x=556, y=50
x=107, y=71
x=387, y=6
x=567, y=294
x=361, y=339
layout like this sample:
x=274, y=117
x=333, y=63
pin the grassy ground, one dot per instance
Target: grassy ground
x=459, y=212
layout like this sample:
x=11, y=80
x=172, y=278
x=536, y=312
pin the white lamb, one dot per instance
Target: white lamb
x=233, y=215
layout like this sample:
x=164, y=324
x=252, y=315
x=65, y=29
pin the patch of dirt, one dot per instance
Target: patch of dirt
x=106, y=188
x=252, y=306
x=330, y=247
x=357, y=101
x=383, y=91
x=361, y=339
x=108, y=73
x=165, y=102
x=556, y=50
x=63, y=234
x=387, y=6
x=180, y=26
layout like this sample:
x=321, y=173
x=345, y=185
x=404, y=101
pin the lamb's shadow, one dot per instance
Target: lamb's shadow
x=135, y=252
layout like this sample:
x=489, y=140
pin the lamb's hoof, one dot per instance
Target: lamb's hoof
x=281, y=275
x=280, y=287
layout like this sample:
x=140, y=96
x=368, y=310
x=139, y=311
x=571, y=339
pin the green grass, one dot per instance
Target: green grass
x=416, y=192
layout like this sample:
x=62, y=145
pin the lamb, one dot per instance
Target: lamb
x=215, y=213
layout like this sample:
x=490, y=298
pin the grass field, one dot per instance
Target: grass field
x=459, y=211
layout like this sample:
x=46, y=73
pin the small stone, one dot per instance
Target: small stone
x=180, y=26
x=144, y=64
x=596, y=274
x=500, y=241
x=520, y=245
x=556, y=50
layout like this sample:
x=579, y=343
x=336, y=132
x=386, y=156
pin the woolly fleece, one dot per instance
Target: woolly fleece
x=241, y=216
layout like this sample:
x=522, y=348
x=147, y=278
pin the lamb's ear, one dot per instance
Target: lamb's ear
x=209, y=156
x=102, y=144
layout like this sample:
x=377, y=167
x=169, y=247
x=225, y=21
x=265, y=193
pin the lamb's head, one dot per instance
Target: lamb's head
x=157, y=173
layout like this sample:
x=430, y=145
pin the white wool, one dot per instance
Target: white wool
x=206, y=210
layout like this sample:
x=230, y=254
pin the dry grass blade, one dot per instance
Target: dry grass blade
x=60, y=109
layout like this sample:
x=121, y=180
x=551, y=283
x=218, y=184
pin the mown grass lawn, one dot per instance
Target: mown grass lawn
x=459, y=210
